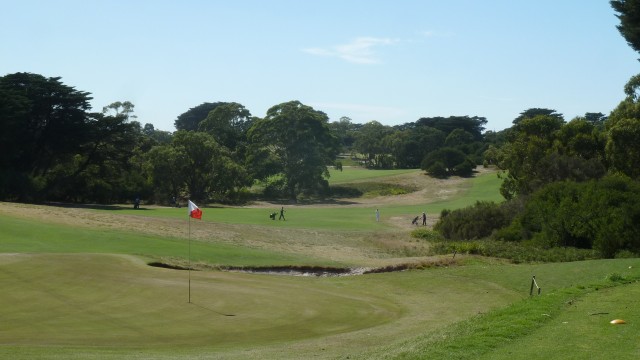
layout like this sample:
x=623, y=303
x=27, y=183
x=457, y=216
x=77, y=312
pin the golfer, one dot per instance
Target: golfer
x=377, y=215
x=282, y=214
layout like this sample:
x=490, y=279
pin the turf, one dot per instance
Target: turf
x=85, y=291
x=25, y=236
x=481, y=188
x=119, y=301
x=357, y=174
x=584, y=329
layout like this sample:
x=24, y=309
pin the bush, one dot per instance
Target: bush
x=626, y=254
x=447, y=161
x=275, y=187
x=474, y=222
x=510, y=233
x=437, y=170
x=615, y=277
x=600, y=214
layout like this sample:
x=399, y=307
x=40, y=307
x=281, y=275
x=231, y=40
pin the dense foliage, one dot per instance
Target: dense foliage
x=577, y=182
x=603, y=215
x=55, y=148
x=475, y=222
x=298, y=143
x=52, y=148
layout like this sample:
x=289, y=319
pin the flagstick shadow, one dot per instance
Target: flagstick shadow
x=209, y=309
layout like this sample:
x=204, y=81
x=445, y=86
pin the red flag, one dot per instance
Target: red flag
x=194, y=211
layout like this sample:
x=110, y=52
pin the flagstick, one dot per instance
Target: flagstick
x=189, y=260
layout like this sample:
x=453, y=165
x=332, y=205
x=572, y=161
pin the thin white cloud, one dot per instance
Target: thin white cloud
x=359, y=51
x=428, y=33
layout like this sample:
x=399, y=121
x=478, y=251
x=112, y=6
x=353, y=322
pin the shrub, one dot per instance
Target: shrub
x=600, y=214
x=626, y=254
x=474, y=222
x=275, y=187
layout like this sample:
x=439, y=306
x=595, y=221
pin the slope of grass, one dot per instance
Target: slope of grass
x=71, y=301
x=107, y=307
x=358, y=174
x=29, y=236
x=538, y=327
x=583, y=329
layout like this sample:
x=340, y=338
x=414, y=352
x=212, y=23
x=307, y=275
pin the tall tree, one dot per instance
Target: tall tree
x=298, y=138
x=623, y=125
x=228, y=123
x=43, y=122
x=544, y=149
x=629, y=15
x=529, y=141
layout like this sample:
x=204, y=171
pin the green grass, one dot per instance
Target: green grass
x=58, y=303
x=74, y=292
x=481, y=188
x=583, y=329
x=29, y=236
x=360, y=174
x=77, y=306
x=538, y=327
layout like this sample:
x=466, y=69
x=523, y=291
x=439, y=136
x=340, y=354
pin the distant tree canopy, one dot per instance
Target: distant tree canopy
x=472, y=125
x=420, y=143
x=191, y=119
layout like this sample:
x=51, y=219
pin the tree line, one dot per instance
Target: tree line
x=53, y=147
x=567, y=184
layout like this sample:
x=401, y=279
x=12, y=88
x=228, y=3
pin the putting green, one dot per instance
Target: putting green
x=118, y=300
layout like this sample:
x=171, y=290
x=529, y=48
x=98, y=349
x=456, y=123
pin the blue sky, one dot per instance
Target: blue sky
x=392, y=61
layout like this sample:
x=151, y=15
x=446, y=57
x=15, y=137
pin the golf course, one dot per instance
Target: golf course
x=110, y=282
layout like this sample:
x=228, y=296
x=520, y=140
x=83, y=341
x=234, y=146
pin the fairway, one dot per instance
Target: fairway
x=77, y=284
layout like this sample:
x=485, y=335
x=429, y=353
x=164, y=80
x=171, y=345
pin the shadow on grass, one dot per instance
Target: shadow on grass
x=94, y=206
x=210, y=309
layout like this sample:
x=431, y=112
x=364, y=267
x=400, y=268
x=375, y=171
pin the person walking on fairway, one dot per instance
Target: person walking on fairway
x=424, y=219
x=377, y=215
x=282, y=214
